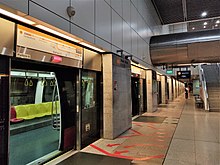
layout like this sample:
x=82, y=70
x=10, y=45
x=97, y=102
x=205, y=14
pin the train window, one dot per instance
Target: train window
x=88, y=90
x=29, y=87
x=23, y=90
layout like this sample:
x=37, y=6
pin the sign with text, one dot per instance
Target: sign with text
x=33, y=39
x=183, y=74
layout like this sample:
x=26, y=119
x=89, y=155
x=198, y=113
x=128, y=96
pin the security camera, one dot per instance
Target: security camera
x=71, y=11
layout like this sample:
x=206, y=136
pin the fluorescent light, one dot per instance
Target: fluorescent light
x=193, y=28
x=19, y=18
x=56, y=33
x=204, y=14
x=205, y=23
x=92, y=47
x=217, y=21
x=204, y=27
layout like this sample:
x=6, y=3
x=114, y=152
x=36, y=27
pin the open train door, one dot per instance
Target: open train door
x=67, y=90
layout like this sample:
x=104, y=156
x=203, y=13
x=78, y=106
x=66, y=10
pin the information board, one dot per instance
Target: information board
x=36, y=40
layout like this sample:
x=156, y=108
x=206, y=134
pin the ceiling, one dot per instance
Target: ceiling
x=176, y=11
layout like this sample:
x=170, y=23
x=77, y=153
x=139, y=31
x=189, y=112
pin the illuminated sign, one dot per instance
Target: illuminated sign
x=183, y=74
x=33, y=39
x=169, y=71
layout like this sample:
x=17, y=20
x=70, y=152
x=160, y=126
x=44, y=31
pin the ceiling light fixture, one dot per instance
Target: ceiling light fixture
x=216, y=25
x=92, y=47
x=193, y=28
x=14, y=16
x=204, y=14
x=205, y=23
x=217, y=21
x=56, y=33
x=204, y=27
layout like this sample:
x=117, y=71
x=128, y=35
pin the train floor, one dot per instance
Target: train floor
x=32, y=145
x=178, y=133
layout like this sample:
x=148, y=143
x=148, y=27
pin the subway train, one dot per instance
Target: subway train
x=54, y=97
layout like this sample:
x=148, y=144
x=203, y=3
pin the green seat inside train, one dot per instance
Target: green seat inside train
x=31, y=111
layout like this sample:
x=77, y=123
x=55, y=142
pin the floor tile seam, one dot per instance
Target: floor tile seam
x=206, y=141
x=174, y=132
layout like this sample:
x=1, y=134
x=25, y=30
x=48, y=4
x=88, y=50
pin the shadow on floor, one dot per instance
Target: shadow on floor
x=150, y=119
x=82, y=158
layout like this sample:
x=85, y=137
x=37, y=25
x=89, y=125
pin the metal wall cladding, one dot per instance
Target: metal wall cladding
x=195, y=47
x=121, y=24
x=7, y=32
x=91, y=60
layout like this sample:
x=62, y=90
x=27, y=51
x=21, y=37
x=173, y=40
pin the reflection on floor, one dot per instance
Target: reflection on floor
x=82, y=158
x=150, y=119
x=148, y=140
x=196, y=139
x=187, y=135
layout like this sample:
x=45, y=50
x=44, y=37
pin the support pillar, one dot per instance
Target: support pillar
x=151, y=91
x=117, y=113
x=174, y=88
x=170, y=89
x=163, y=89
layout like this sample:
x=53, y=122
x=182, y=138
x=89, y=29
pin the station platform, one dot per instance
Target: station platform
x=178, y=133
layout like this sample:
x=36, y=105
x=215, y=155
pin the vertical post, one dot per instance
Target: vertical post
x=4, y=108
x=163, y=89
x=170, y=89
x=79, y=112
x=141, y=101
x=151, y=92
x=174, y=88
x=108, y=96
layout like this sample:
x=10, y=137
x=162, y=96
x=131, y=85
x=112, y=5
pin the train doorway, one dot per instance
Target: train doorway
x=91, y=110
x=159, y=94
x=135, y=95
x=43, y=111
x=144, y=96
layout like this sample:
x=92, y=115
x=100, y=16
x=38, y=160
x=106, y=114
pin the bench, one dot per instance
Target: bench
x=198, y=102
x=31, y=111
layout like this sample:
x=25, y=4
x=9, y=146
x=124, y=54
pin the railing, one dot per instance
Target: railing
x=204, y=93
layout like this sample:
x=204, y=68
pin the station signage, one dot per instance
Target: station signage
x=169, y=71
x=29, y=38
x=183, y=74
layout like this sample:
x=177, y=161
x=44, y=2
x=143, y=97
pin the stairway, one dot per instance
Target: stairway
x=212, y=76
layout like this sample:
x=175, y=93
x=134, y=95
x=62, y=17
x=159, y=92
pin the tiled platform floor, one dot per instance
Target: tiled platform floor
x=196, y=139
x=186, y=136
x=145, y=142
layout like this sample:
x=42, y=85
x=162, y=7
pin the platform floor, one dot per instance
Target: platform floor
x=178, y=133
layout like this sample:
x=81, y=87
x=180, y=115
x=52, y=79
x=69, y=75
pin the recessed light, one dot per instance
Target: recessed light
x=193, y=28
x=216, y=25
x=217, y=21
x=204, y=14
x=204, y=27
x=205, y=23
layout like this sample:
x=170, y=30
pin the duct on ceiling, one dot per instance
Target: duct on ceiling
x=185, y=48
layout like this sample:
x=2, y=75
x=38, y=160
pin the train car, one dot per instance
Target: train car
x=52, y=95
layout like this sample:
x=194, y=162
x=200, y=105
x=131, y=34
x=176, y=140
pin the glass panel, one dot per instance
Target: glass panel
x=35, y=115
x=90, y=113
x=88, y=90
